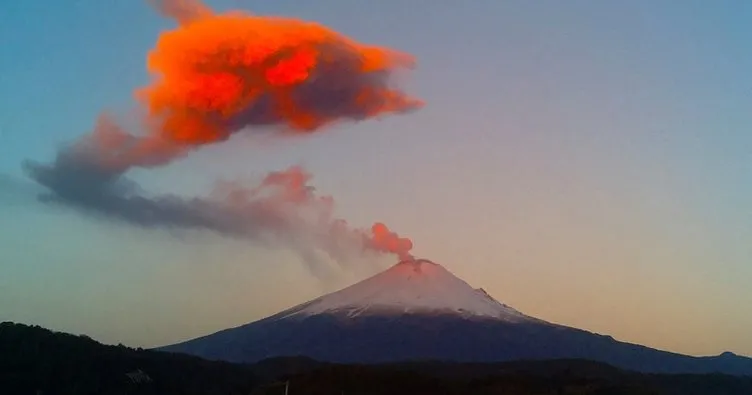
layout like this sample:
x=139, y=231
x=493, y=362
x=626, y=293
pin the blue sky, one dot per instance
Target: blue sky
x=586, y=162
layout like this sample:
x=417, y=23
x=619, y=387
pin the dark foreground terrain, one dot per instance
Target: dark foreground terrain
x=34, y=360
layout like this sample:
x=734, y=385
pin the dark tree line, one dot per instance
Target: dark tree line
x=34, y=360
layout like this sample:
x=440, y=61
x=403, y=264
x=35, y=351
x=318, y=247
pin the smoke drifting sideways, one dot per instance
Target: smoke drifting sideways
x=220, y=74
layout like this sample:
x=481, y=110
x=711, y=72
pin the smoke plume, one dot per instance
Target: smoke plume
x=219, y=74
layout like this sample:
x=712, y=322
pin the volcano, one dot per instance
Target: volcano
x=418, y=310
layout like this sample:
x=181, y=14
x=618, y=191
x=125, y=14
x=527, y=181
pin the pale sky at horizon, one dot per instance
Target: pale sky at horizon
x=588, y=163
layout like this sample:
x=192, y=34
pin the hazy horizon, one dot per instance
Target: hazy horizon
x=587, y=163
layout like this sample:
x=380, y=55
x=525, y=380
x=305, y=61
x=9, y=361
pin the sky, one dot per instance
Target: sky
x=589, y=163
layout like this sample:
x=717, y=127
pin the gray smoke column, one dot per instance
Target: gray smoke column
x=282, y=210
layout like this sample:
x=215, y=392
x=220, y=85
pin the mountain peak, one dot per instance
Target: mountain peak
x=418, y=310
x=413, y=269
x=414, y=286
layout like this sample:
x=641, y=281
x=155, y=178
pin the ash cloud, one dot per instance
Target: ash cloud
x=218, y=74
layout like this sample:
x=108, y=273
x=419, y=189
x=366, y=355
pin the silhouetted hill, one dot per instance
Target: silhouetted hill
x=34, y=360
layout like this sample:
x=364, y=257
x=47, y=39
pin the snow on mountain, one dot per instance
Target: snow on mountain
x=410, y=287
x=417, y=310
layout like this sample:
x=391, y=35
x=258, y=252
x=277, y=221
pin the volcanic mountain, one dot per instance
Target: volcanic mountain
x=418, y=310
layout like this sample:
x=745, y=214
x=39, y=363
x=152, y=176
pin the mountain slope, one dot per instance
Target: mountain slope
x=417, y=310
x=410, y=287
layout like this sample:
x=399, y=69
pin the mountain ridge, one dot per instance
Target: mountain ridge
x=417, y=310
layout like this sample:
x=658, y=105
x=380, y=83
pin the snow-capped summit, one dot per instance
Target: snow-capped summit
x=416, y=286
x=418, y=310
